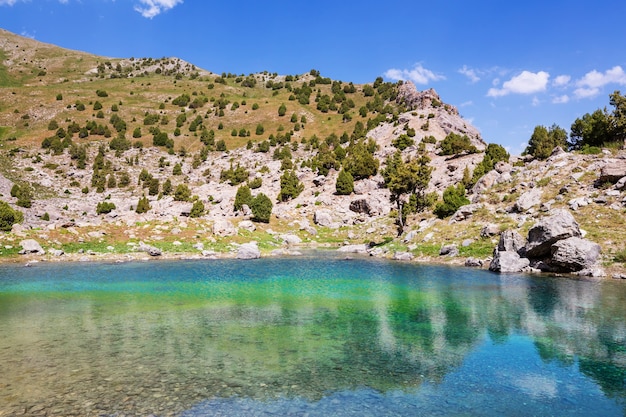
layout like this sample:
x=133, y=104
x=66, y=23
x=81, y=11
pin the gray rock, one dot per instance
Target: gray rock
x=360, y=206
x=247, y=225
x=574, y=254
x=613, y=171
x=198, y=246
x=410, y=236
x=222, y=227
x=31, y=246
x=323, y=218
x=489, y=230
x=149, y=249
x=465, y=212
x=511, y=241
x=402, y=256
x=467, y=242
x=620, y=184
x=474, y=263
x=485, y=182
x=291, y=239
x=528, y=200
x=56, y=252
x=549, y=230
x=506, y=262
x=248, y=251
x=449, y=250
x=353, y=249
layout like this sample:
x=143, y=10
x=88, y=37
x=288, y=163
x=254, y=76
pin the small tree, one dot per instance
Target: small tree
x=197, y=210
x=167, y=187
x=105, y=207
x=143, y=205
x=282, y=110
x=454, y=144
x=261, y=207
x=290, y=186
x=9, y=216
x=178, y=169
x=345, y=183
x=182, y=193
x=543, y=141
x=243, y=197
x=453, y=198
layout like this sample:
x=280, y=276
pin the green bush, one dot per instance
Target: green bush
x=345, y=183
x=182, y=193
x=243, y=197
x=454, y=144
x=453, y=198
x=261, y=207
x=143, y=205
x=290, y=186
x=197, y=210
x=105, y=207
x=9, y=216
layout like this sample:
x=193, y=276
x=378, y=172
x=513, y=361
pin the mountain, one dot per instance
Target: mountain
x=85, y=140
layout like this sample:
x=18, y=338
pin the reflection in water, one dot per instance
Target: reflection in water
x=320, y=336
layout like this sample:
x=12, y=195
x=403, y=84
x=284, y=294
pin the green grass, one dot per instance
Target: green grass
x=5, y=78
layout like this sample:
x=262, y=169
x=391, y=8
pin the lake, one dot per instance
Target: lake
x=313, y=335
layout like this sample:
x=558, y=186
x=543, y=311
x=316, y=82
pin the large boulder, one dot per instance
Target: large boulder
x=549, y=230
x=465, y=212
x=613, y=171
x=574, y=254
x=223, y=227
x=290, y=239
x=31, y=246
x=360, y=206
x=248, y=251
x=149, y=249
x=323, y=218
x=528, y=200
x=353, y=249
x=511, y=241
x=508, y=261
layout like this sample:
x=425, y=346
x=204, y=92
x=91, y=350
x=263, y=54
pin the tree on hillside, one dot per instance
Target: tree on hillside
x=345, y=183
x=9, y=216
x=454, y=144
x=493, y=154
x=453, y=198
x=243, y=197
x=290, y=186
x=282, y=110
x=601, y=127
x=261, y=207
x=543, y=141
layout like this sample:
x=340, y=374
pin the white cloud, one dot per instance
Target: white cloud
x=466, y=103
x=418, y=75
x=7, y=2
x=525, y=83
x=561, y=99
x=495, y=81
x=586, y=92
x=536, y=101
x=561, y=80
x=470, y=73
x=595, y=79
x=153, y=8
x=26, y=34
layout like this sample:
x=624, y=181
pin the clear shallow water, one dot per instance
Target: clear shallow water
x=313, y=336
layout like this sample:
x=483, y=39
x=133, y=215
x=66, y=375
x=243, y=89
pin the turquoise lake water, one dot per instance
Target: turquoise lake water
x=312, y=335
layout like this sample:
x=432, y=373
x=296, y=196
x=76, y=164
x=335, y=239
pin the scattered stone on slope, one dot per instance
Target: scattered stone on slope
x=222, y=227
x=449, y=250
x=149, y=249
x=528, y=200
x=465, y=212
x=31, y=246
x=489, y=230
x=290, y=239
x=323, y=218
x=403, y=256
x=248, y=251
x=613, y=170
x=549, y=230
x=474, y=263
x=511, y=241
x=247, y=225
x=360, y=206
x=353, y=249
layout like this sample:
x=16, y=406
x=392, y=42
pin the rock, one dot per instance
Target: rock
x=223, y=227
x=467, y=242
x=485, y=182
x=31, y=246
x=549, y=230
x=291, y=239
x=56, y=252
x=507, y=261
x=149, y=249
x=574, y=254
x=620, y=184
x=353, y=249
x=198, y=246
x=489, y=230
x=528, y=200
x=360, y=206
x=465, y=212
x=449, y=250
x=247, y=225
x=365, y=186
x=502, y=167
x=402, y=256
x=511, y=241
x=323, y=218
x=613, y=170
x=473, y=263
x=594, y=272
x=410, y=236
x=248, y=251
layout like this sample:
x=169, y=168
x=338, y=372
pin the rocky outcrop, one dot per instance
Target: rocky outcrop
x=323, y=218
x=613, y=170
x=511, y=241
x=223, y=227
x=31, y=246
x=574, y=254
x=549, y=230
x=508, y=262
x=248, y=251
x=528, y=200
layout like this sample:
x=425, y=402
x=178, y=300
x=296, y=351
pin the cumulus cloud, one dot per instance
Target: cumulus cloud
x=525, y=83
x=591, y=83
x=561, y=99
x=561, y=80
x=470, y=73
x=151, y=8
x=418, y=75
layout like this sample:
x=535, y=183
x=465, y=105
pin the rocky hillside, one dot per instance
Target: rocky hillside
x=78, y=131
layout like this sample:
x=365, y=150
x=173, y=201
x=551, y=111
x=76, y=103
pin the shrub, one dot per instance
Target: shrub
x=255, y=183
x=9, y=216
x=345, y=183
x=197, y=210
x=182, y=193
x=454, y=144
x=105, y=207
x=453, y=198
x=290, y=186
x=261, y=207
x=243, y=197
x=143, y=205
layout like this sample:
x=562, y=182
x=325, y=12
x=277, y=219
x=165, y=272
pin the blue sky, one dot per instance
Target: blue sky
x=507, y=65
